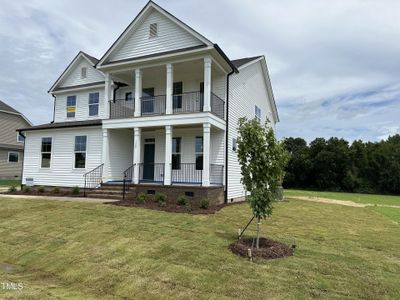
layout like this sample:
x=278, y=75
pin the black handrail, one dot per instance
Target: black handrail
x=122, y=108
x=153, y=105
x=217, y=106
x=190, y=173
x=188, y=102
x=93, y=178
x=151, y=172
x=128, y=175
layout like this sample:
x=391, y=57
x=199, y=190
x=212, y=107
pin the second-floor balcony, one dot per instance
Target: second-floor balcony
x=188, y=102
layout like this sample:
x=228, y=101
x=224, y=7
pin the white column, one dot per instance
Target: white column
x=107, y=95
x=206, y=153
x=137, y=144
x=105, y=155
x=207, y=84
x=138, y=92
x=168, y=155
x=169, y=90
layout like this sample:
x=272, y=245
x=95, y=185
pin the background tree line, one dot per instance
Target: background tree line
x=335, y=165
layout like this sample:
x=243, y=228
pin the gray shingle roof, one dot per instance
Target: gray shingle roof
x=93, y=59
x=63, y=125
x=242, y=61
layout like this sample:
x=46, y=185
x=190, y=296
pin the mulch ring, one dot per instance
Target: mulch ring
x=171, y=207
x=269, y=249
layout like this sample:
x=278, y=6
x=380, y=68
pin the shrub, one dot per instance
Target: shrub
x=12, y=189
x=188, y=205
x=141, y=197
x=182, y=200
x=41, y=189
x=161, y=199
x=27, y=189
x=204, y=203
x=76, y=190
x=56, y=190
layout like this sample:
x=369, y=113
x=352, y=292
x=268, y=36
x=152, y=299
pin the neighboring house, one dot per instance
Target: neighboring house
x=11, y=141
x=161, y=106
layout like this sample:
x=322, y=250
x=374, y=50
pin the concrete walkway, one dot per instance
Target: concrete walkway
x=339, y=202
x=70, y=199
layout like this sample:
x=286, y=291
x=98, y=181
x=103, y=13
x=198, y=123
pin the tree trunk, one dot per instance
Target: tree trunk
x=258, y=233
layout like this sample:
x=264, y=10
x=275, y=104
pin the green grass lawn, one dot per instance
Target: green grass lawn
x=7, y=183
x=96, y=251
x=359, y=198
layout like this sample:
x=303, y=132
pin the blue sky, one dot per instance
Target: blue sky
x=334, y=65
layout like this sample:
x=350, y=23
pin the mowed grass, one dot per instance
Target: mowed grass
x=8, y=183
x=358, y=198
x=96, y=251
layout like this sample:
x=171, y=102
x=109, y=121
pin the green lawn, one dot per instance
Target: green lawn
x=359, y=198
x=96, y=251
x=8, y=183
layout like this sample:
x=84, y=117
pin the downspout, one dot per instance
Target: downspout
x=226, y=135
x=54, y=108
x=23, y=158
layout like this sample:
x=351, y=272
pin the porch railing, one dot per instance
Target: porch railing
x=217, y=106
x=93, y=179
x=151, y=172
x=187, y=102
x=216, y=174
x=122, y=108
x=153, y=105
x=188, y=173
x=128, y=176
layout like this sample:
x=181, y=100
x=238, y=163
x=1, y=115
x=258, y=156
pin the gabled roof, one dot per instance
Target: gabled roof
x=8, y=109
x=142, y=14
x=92, y=60
x=68, y=124
x=242, y=61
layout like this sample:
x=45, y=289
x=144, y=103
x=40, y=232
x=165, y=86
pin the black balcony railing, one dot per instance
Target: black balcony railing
x=151, y=172
x=216, y=174
x=153, y=105
x=187, y=173
x=187, y=102
x=217, y=106
x=122, y=108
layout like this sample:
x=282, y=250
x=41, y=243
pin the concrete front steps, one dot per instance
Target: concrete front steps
x=109, y=191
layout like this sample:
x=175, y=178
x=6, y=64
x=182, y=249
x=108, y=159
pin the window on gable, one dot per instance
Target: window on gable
x=93, y=104
x=257, y=113
x=13, y=157
x=71, y=106
x=80, y=152
x=46, y=152
x=83, y=72
x=153, y=30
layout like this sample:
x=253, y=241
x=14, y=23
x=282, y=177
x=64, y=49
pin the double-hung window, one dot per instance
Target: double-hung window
x=176, y=153
x=71, y=106
x=257, y=113
x=80, y=152
x=93, y=104
x=199, y=152
x=46, y=152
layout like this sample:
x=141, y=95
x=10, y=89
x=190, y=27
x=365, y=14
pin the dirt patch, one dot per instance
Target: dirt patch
x=45, y=193
x=172, y=207
x=269, y=249
x=330, y=201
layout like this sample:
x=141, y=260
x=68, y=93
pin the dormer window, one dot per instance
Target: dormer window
x=153, y=30
x=83, y=72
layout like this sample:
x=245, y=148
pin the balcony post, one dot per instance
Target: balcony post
x=169, y=89
x=137, y=145
x=206, y=154
x=168, y=155
x=107, y=95
x=207, y=84
x=138, y=92
x=105, y=155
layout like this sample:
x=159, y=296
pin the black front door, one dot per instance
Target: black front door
x=148, y=162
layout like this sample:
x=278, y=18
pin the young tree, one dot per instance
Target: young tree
x=262, y=159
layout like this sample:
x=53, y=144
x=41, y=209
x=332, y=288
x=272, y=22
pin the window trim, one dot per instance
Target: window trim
x=41, y=153
x=74, y=158
x=8, y=157
x=71, y=106
x=196, y=153
x=94, y=104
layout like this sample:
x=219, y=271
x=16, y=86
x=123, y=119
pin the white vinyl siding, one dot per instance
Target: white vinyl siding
x=74, y=77
x=82, y=105
x=121, y=152
x=61, y=171
x=169, y=37
x=246, y=89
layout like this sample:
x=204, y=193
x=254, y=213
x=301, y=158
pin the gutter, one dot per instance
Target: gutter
x=227, y=133
x=54, y=108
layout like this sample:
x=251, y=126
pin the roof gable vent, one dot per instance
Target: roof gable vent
x=153, y=30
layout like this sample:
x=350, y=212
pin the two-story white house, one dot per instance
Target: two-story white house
x=159, y=111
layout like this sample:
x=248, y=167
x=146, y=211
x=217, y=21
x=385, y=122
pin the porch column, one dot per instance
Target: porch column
x=168, y=155
x=107, y=95
x=105, y=155
x=206, y=154
x=137, y=139
x=169, y=90
x=138, y=92
x=207, y=84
